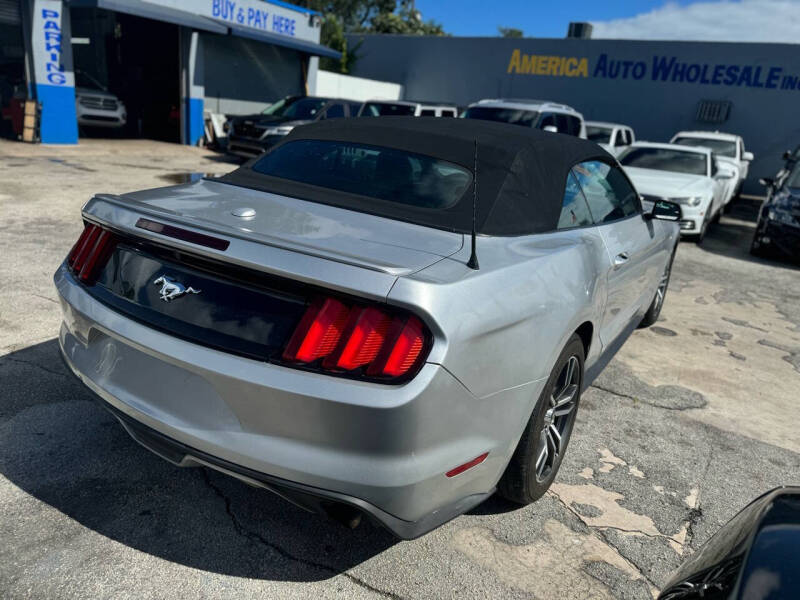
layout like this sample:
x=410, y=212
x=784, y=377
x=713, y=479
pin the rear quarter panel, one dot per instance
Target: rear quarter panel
x=504, y=325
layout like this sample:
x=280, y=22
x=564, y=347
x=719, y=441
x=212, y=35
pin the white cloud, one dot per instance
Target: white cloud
x=722, y=20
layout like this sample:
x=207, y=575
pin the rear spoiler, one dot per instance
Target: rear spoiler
x=245, y=249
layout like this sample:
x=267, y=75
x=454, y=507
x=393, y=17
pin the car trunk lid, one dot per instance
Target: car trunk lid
x=328, y=232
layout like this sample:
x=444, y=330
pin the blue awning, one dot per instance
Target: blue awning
x=153, y=11
x=286, y=41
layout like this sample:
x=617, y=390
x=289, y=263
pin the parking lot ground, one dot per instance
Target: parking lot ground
x=694, y=418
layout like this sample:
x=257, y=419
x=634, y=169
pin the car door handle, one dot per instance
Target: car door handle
x=620, y=259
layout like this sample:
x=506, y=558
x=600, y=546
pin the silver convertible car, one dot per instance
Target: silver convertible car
x=387, y=317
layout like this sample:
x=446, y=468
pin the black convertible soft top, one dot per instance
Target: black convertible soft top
x=521, y=172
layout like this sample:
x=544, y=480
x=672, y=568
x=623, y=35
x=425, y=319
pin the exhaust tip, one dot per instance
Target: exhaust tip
x=344, y=514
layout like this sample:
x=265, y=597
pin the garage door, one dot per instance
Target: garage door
x=9, y=12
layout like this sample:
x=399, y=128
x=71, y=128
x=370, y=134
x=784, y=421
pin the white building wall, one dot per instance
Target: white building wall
x=336, y=85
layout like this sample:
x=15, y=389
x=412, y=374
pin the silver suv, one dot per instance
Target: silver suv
x=540, y=114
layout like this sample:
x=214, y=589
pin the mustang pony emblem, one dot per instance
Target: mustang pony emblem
x=171, y=289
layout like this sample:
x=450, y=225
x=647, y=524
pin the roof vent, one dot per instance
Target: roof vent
x=579, y=30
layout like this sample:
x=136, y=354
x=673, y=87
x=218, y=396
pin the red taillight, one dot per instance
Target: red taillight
x=406, y=349
x=365, y=335
x=318, y=332
x=79, y=244
x=347, y=338
x=92, y=232
x=91, y=252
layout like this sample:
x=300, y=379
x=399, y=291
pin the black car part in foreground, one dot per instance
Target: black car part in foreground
x=778, y=226
x=755, y=555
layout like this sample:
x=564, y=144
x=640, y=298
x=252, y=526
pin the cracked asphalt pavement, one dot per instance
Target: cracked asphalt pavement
x=694, y=418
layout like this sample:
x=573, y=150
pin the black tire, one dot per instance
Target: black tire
x=758, y=249
x=522, y=481
x=653, y=312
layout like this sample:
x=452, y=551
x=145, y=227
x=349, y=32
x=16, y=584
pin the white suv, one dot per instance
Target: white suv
x=383, y=108
x=95, y=106
x=541, y=114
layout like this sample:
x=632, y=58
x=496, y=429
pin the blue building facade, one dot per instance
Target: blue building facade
x=152, y=54
x=657, y=87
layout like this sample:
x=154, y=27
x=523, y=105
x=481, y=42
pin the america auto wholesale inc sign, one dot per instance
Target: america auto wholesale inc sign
x=657, y=68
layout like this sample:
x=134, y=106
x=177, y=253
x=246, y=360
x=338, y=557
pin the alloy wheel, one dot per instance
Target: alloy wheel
x=558, y=419
x=661, y=290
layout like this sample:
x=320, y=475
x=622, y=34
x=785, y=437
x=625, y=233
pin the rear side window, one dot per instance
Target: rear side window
x=373, y=171
x=574, y=210
x=607, y=191
x=526, y=118
x=335, y=111
x=386, y=109
x=572, y=125
x=548, y=120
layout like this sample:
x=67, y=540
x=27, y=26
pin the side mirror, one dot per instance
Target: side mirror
x=748, y=156
x=550, y=128
x=665, y=210
x=767, y=181
x=787, y=155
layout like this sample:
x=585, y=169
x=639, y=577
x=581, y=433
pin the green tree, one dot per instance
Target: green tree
x=510, y=32
x=342, y=17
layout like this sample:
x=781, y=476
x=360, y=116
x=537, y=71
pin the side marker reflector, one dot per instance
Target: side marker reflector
x=467, y=465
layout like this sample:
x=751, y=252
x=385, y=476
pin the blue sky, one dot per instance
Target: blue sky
x=536, y=19
x=702, y=20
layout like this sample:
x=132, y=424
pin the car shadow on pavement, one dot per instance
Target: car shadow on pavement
x=64, y=450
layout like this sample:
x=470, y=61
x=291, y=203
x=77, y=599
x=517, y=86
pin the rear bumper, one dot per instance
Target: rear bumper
x=310, y=438
x=324, y=502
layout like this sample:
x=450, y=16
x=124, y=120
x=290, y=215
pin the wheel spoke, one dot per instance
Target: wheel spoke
x=571, y=363
x=555, y=437
x=569, y=374
x=567, y=396
x=541, y=461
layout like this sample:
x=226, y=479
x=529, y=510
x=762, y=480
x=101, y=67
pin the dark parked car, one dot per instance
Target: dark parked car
x=791, y=157
x=250, y=135
x=756, y=555
x=778, y=227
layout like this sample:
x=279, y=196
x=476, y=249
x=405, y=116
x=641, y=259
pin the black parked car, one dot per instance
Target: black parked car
x=791, y=158
x=778, y=227
x=756, y=555
x=250, y=135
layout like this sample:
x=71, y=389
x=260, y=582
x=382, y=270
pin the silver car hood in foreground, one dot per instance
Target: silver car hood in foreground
x=329, y=232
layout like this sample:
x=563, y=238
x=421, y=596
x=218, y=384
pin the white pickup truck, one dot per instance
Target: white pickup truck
x=382, y=108
x=612, y=137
